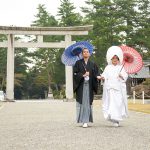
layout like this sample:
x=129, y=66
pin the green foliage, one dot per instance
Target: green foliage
x=20, y=70
x=43, y=18
x=67, y=15
x=118, y=22
x=47, y=60
x=106, y=27
x=147, y=82
x=59, y=94
x=36, y=84
x=115, y=22
x=3, y=64
x=59, y=69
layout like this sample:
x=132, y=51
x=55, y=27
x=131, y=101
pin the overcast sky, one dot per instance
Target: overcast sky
x=22, y=12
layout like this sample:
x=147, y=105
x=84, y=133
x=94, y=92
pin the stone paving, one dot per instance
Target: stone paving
x=51, y=125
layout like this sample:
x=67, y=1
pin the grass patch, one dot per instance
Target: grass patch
x=138, y=106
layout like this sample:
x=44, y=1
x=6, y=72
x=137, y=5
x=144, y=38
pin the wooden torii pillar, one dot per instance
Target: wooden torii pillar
x=11, y=44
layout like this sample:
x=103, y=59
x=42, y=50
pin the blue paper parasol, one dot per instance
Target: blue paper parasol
x=73, y=53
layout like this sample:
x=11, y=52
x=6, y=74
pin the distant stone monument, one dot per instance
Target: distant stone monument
x=50, y=94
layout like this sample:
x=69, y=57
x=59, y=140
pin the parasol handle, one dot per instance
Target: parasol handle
x=122, y=67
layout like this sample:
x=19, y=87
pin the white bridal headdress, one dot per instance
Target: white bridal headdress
x=114, y=50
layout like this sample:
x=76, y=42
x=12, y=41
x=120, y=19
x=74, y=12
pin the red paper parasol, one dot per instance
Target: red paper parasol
x=132, y=60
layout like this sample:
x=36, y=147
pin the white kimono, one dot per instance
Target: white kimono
x=114, y=93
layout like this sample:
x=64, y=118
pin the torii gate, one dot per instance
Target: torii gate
x=11, y=44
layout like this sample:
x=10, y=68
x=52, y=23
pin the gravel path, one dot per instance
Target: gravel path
x=51, y=125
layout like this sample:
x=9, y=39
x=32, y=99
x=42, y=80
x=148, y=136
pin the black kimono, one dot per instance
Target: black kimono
x=78, y=80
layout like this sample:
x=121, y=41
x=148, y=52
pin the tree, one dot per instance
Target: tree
x=142, y=36
x=136, y=16
x=45, y=57
x=44, y=19
x=106, y=28
x=67, y=15
x=118, y=22
x=20, y=69
x=128, y=13
x=3, y=64
x=36, y=84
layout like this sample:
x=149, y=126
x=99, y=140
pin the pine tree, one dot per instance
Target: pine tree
x=107, y=24
x=43, y=18
x=46, y=57
x=142, y=36
x=67, y=15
